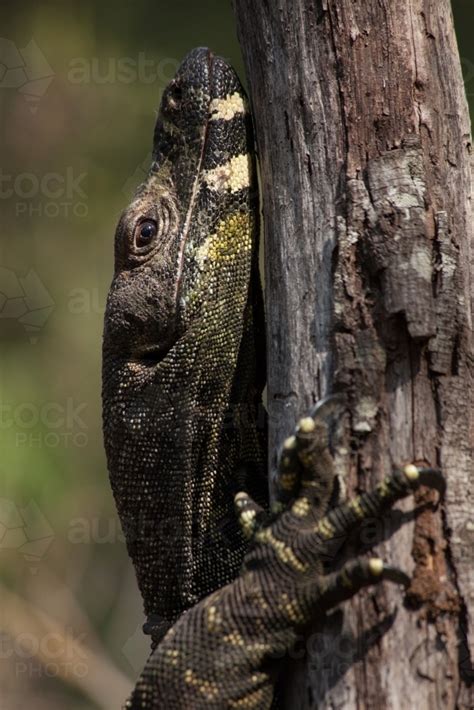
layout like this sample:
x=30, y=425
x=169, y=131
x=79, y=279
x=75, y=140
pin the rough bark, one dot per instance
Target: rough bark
x=364, y=146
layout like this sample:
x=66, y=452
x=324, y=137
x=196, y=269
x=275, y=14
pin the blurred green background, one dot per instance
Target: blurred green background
x=79, y=87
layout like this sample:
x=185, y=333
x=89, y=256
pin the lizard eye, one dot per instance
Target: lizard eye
x=145, y=232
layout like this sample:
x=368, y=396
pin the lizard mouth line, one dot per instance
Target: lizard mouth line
x=152, y=354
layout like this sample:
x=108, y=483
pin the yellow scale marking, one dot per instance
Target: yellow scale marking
x=213, y=619
x=384, y=488
x=284, y=552
x=301, y=507
x=247, y=522
x=232, y=238
x=354, y=505
x=233, y=175
x=228, y=107
x=325, y=529
x=253, y=699
x=207, y=688
x=292, y=609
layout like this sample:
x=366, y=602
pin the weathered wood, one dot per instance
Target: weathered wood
x=364, y=142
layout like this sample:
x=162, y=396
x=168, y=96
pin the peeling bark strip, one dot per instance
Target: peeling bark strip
x=397, y=238
x=364, y=143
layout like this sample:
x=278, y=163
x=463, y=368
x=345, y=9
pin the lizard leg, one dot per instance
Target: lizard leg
x=219, y=654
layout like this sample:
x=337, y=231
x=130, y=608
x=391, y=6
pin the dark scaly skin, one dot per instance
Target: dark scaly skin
x=183, y=353
x=182, y=333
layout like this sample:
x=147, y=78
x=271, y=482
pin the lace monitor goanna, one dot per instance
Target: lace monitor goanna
x=183, y=372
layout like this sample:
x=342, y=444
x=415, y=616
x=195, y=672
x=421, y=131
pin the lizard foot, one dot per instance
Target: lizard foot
x=225, y=651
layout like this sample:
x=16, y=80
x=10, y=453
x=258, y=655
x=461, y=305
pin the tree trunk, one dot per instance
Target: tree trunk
x=364, y=146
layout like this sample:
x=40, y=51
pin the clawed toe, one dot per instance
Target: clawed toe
x=392, y=574
x=430, y=477
x=249, y=514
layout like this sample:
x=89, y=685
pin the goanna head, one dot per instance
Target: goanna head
x=189, y=228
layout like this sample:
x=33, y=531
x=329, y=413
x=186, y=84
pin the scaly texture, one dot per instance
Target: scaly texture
x=183, y=352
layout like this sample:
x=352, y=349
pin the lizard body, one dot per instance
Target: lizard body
x=181, y=391
x=182, y=378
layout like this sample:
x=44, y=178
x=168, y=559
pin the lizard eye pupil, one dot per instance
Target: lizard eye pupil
x=145, y=232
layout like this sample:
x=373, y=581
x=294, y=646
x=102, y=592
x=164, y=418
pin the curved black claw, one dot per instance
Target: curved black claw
x=393, y=574
x=433, y=478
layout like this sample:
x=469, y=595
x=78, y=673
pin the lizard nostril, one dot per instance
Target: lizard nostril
x=174, y=95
